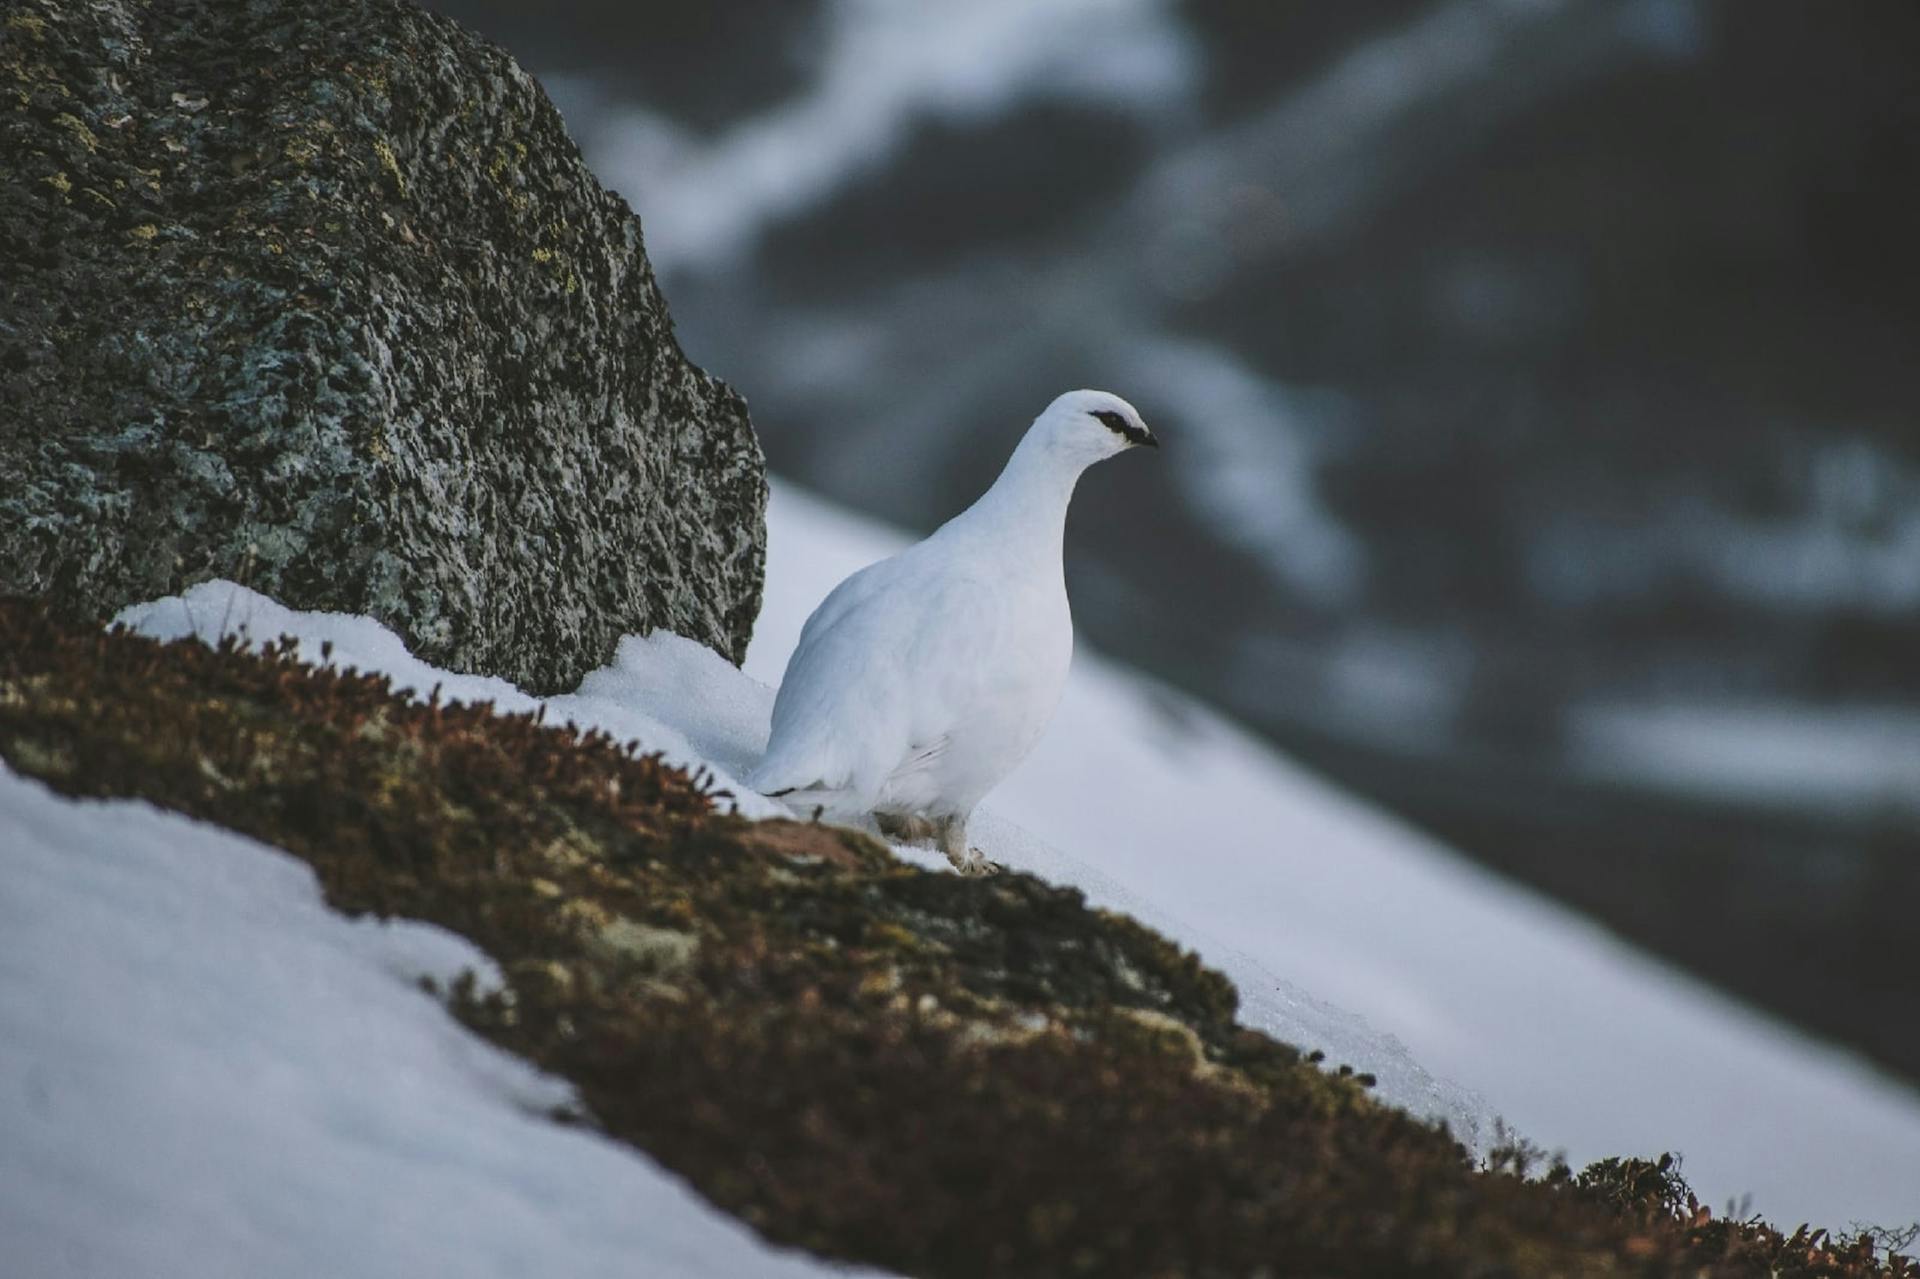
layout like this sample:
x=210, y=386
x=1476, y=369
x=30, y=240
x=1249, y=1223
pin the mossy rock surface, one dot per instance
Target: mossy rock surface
x=320, y=297
x=941, y=1075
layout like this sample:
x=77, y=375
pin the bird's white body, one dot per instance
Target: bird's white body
x=922, y=680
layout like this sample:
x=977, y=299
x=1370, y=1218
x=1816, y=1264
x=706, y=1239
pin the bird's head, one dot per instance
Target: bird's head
x=1091, y=425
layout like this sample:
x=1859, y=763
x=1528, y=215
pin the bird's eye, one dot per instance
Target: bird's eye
x=1114, y=422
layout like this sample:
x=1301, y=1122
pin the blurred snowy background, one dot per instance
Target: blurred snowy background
x=1538, y=379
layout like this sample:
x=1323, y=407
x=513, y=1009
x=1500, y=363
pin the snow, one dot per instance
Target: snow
x=674, y=695
x=1249, y=461
x=1852, y=762
x=885, y=66
x=207, y=1071
x=1820, y=561
x=1574, y=1038
x=678, y=697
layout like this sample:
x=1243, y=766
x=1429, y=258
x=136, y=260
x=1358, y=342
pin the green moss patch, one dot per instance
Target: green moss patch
x=942, y=1075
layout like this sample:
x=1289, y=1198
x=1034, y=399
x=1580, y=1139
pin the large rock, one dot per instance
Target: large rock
x=322, y=298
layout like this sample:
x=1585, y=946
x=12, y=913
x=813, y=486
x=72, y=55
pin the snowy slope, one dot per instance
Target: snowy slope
x=205, y=1066
x=675, y=696
x=1576, y=1039
x=205, y=1072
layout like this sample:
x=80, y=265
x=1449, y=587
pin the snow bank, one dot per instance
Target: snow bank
x=206, y=1072
x=883, y=66
x=668, y=692
x=1855, y=763
x=186, y=989
x=1576, y=1039
x=679, y=697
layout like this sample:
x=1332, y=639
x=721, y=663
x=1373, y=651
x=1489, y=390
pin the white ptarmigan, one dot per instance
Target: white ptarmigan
x=921, y=681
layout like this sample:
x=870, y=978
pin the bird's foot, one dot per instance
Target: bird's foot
x=974, y=862
x=952, y=839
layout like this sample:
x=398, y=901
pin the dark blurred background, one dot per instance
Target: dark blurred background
x=1539, y=382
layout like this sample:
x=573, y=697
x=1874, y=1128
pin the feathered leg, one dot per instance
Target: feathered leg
x=952, y=838
x=911, y=829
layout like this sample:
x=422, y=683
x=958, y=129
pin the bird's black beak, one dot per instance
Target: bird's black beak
x=1149, y=439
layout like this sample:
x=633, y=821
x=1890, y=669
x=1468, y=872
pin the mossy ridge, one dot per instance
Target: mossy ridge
x=942, y=1075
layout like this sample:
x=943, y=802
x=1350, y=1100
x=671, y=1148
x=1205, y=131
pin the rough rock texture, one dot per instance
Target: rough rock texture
x=322, y=298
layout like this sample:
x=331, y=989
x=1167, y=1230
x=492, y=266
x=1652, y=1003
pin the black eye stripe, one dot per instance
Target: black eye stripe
x=1119, y=425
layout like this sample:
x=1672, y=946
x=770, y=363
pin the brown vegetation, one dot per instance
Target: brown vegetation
x=942, y=1075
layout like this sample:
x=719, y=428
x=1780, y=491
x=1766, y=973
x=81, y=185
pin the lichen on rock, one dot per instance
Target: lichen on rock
x=323, y=298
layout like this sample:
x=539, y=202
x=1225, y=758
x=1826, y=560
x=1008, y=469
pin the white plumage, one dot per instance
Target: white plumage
x=921, y=681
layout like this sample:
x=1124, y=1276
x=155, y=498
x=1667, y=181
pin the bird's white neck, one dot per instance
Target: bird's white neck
x=1027, y=505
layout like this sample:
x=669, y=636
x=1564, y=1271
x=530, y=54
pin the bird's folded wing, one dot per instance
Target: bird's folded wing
x=879, y=681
